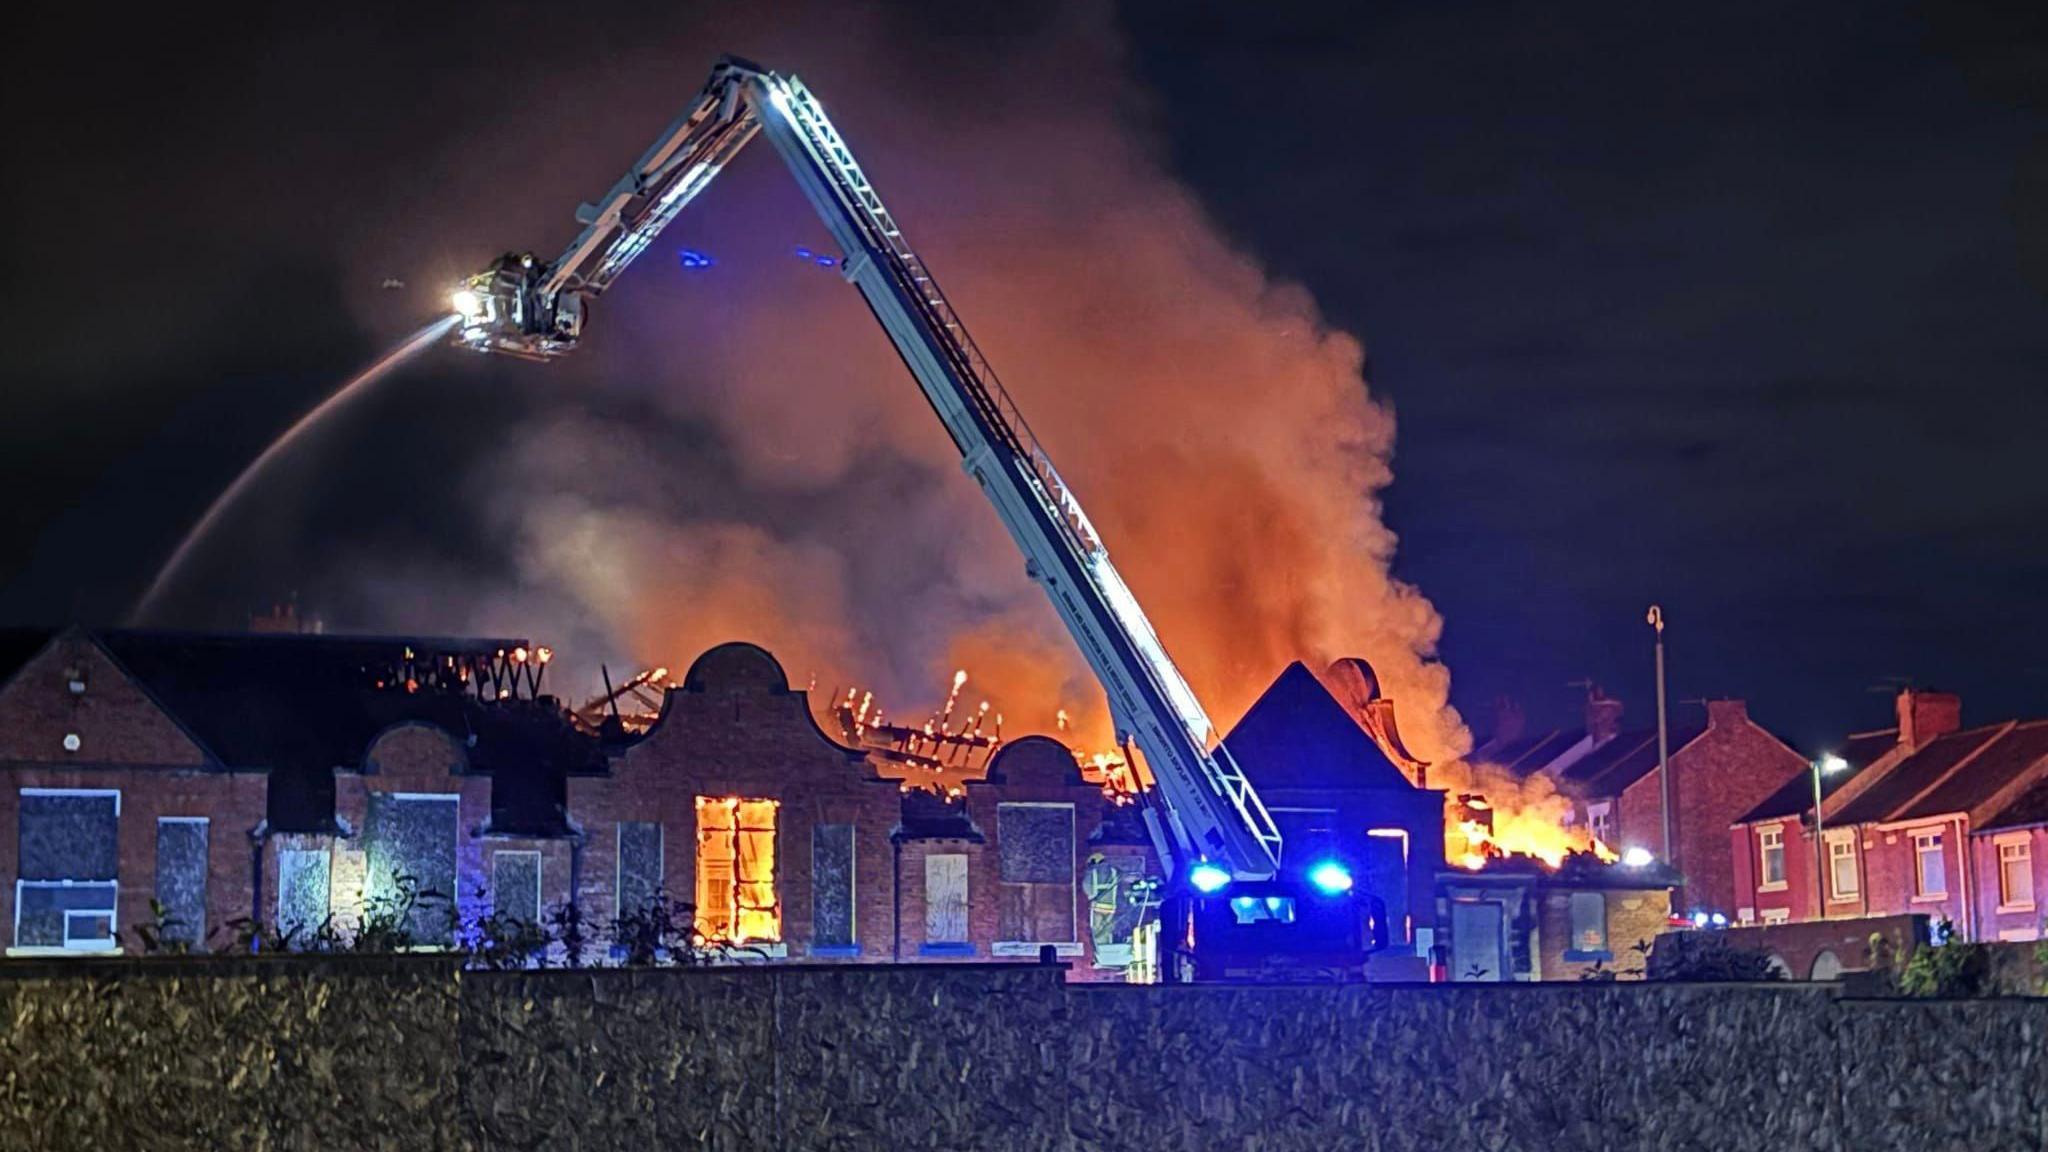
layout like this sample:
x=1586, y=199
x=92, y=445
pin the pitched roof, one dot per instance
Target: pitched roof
x=1297, y=736
x=2029, y=807
x=290, y=700
x=1630, y=756
x=1795, y=796
x=299, y=706
x=1531, y=752
x=1913, y=774
x=2010, y=753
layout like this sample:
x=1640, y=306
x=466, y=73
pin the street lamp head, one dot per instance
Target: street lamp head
x=1830, y=764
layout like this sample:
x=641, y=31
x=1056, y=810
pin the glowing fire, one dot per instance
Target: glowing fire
x=1512, y=818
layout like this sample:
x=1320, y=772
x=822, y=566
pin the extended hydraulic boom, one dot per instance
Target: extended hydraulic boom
x=1205, y=813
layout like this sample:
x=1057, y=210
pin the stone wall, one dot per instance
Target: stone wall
x=411, y=1053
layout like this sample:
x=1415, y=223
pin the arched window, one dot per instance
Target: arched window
x=1826, y=966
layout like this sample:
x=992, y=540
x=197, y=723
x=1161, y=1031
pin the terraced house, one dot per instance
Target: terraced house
x=1927, y=817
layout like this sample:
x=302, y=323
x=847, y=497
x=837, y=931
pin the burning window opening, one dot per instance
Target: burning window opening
x=736, y=871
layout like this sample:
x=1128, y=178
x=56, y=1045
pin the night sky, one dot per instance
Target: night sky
x=1741, y=309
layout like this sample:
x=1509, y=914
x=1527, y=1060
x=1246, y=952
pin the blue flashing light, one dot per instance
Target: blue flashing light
x=1330, y=878
x=1208, y=879
x=818, y=258
x=693, y=259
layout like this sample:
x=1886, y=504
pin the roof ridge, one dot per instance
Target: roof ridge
x=1968, y=758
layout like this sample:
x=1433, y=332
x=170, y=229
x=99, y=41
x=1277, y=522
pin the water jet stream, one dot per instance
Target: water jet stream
x=404, y=351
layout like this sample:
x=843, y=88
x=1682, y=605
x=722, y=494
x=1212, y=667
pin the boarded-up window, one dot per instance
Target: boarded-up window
x=181, y=879
x=1589, y=926
x=515, y=886
x=639, y=884
x=69, y=835
x=945, y=899
x=66, y=887
x=1036, y=852
x=413, y=835
x=832, y=886
x=736, y=870
x=1477, y=947
x=301, y=892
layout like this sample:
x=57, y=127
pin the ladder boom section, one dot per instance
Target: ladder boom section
x=1206, y=808
x=1212, y=810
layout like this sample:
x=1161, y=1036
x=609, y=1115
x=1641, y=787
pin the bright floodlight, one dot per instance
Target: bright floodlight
x=1209, y=879
x=467, y=302
x=1637, y=857
x=1831, y=764
x=1330, y=878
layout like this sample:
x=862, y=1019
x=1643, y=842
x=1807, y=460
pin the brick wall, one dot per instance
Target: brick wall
x=1716, y=778
x=126, y=743
x=735, y=728
x=1632, y=916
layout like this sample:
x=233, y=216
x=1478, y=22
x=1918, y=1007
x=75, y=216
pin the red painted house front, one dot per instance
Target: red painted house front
x=1928, y=819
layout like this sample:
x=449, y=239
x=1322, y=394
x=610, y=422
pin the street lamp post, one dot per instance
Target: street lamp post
x=1656, y=621
x=1827, y=765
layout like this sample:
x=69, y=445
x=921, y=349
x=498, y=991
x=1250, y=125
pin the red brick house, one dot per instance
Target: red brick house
x=109, y=802
x=1929, y=818
x=1721, y=766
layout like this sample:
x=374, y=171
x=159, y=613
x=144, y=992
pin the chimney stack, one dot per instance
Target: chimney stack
x=1603, y=716
x=1925, y=715
x=1727, y=713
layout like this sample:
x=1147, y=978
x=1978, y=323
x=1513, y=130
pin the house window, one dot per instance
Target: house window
x=1930, y=874
x=638, y=883
x=409, y=854
x=2015, y=875
x=832, y=888
x=1771, y=854
x=1589, y=927
x=736, y=870
x=1601, y=817
x=945, y=902
x=1843, y=882
x=515, y=886
x=1478, y=941
x=181, y=879
x=1035, y=898
x=66, y=886
x=301, y=892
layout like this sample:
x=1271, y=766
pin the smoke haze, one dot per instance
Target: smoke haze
x=736, y=453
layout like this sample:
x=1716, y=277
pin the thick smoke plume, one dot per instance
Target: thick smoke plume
x=749, y=459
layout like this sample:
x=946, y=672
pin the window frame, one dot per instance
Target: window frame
x=778, y=872
x=539, y=866
x=205, y=869
x=1922, y=840
x=2024, y=857
x=964, y=946
x=852, y=946
x=619, y=860
x=1065, y=949
x=1846, y=838
x=1770, y=838
x=1573, y=949
x=113, y=913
